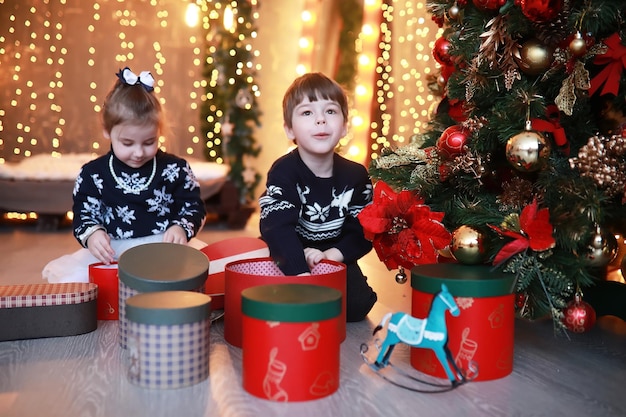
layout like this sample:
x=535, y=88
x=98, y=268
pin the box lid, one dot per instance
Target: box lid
x=294, y=303
x=462, y=280
x=168, y=307
x=163, y=267
x=38, y=295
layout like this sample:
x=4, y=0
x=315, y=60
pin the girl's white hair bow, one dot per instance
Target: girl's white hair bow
x=144, y=78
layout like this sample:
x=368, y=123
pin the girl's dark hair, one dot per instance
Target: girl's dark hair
x=131, y=104
x=314, y=86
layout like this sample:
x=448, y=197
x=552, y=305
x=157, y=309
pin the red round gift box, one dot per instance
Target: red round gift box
x=247, y=273
x=291, y=346
x=105, y=277
x=483, y=332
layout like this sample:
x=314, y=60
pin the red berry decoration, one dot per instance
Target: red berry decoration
x=452, y=141
x=579, y=316
x=441, y=51
x=540, y=11
x=489, y=5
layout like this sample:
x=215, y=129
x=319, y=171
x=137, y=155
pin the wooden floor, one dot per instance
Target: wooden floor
x=84, y=375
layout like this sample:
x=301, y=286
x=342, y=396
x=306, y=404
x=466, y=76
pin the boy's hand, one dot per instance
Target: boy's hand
x=333, y=254
x=313, y=256
x=99, y=245
x=175, y=234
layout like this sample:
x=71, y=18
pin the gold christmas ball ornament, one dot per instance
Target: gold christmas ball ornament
x=601, y=249
x=453, y=12
x=467, y=245
x=578, y=46
x=534, y=58
x=401, y=276
x=528, y=151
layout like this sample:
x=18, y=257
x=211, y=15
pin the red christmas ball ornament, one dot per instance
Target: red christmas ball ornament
x=457, y=110
x=452, y=141
x=540, y=11
x=447, y=71
x=578, y=316
x=488, y=5
x=441, y=51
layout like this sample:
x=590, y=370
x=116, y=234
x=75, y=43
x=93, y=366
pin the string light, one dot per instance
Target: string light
x=192, y=14
x=58, y=65
x=367, y=47
x=307, y=37
x=229, y=18
x=403, y=62
x=43, y=120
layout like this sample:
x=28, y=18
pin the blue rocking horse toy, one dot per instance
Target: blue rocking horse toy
x=429, y=333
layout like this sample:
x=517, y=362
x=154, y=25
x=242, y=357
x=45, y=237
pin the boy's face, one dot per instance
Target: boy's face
x=134, y=144
x=317, y=126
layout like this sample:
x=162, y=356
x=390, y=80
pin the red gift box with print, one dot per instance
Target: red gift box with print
x=222, y=253
x=248, y=273
x=482, y=335
x=106, y=278
x=291, y=343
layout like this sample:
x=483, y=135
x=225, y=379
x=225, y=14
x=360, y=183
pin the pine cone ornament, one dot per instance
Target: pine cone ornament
x=602, y=160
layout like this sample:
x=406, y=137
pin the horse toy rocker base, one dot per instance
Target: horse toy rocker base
x=429, y=333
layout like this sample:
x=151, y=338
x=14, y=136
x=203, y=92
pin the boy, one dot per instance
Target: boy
x=313, y=195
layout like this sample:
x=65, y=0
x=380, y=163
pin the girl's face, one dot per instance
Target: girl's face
x=317, y=127
x=134, y=144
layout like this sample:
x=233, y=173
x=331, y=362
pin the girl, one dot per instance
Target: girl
x=134, y=194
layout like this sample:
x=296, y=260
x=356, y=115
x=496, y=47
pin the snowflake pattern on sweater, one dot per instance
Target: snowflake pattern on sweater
x=172, y=198
x=300, y=210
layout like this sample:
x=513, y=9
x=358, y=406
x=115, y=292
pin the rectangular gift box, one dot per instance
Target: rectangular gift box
x=47, y=310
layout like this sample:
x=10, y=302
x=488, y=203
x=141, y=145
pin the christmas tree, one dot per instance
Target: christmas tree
x=229, y=108
x=523, y=165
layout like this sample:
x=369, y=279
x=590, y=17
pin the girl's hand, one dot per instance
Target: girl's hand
x=99, y=245
x=175, y=234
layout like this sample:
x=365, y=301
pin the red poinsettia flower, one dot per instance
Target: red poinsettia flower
x=403, y=230
x=535, y=232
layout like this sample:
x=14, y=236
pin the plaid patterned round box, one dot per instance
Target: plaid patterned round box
x=291, y=341
x=158, y=267
x=168, y=339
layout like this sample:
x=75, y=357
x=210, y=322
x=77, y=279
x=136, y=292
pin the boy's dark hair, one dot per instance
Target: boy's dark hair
x=314, y=86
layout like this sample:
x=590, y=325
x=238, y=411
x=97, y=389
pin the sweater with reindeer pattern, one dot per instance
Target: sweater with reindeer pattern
x=299, y=210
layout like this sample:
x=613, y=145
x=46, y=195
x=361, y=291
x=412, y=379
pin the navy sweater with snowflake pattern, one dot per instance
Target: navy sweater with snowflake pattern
x=299, y=209
x=172, y=198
